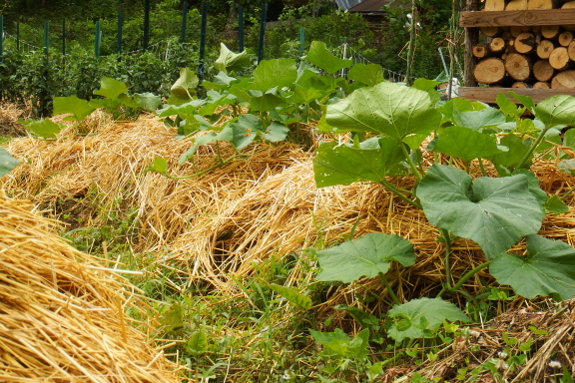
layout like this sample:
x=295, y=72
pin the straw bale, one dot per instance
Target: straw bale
x=62, y=313
x=103, y=170
x=217, y=224
x=9, y=115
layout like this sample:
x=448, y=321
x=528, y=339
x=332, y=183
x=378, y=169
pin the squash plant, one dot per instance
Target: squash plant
x=388, y=123
x=278, y=96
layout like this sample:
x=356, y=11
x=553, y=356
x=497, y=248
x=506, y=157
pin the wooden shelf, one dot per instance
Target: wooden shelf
x=489, y=95
x=516, y=18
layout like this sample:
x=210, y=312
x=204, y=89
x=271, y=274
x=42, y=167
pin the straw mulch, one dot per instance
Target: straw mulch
x=62, y=314
x=9, y=115
x=216, y=225
x=92, y=175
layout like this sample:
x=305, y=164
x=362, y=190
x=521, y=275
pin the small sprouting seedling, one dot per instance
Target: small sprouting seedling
x=526, y=346
x=537, y=331
x=509, y=340
x=413, y=351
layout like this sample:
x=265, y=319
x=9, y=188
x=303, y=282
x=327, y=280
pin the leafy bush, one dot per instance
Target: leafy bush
x=40, y=78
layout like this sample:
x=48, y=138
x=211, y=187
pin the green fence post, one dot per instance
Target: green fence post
x=97, y=39
x=241, y=28
x=184, y=19
x=301, y=41
x=64, y=36
x=146, y=23
x=262, y=32
x=203, y=37
x=46, y=36
x=1, y=36
x=120, y=24
x=18, y=35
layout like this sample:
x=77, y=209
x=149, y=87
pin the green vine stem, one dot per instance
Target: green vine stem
x=532, y=148
x=568, y=193
x=388, y=287
x=410, y=162
x=480, y=160
x=447, y=239
x=395, y=191
x=464, y=279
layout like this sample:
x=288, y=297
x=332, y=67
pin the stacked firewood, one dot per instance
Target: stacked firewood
x=541, y=57
x=520, y=5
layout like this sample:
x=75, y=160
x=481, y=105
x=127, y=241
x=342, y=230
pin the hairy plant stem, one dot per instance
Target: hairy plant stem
x=447, y=239
x=480, y=160
x=532, y=148
x=410, y=162
x=568, y=193
x=395, y=191
x=464, y=279
x=388, y=287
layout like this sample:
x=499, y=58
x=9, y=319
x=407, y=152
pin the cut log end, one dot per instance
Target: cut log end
x=559, y=58
x=518, y=66
x=564, y=80
x=489, y=71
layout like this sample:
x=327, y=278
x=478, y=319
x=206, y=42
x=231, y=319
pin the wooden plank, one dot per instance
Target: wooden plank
x=471, y=40
x=489, y=95
x=517, y=18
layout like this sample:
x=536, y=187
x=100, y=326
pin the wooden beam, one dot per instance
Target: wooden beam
x=471, y=40
x=517, y=18
x=489, y=95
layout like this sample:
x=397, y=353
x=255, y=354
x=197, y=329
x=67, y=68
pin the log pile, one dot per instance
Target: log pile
x=541, y=57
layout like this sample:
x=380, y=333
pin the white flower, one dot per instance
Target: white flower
x=286, y=376
x=555, y=364
x=502, y=354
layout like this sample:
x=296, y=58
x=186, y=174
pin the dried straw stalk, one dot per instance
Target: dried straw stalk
x=62, y=314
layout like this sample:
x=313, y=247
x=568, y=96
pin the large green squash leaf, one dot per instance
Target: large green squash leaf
x=478, y=119
x=494, y=212
x=554, y=205
x=506, y=162
x=111, y=88
x=7, y=162
x=466, y=144
x=567, y=166
x=229, y=61
x=421, y=317
x=78, y=107
x=274, y=74
x=548, y=269
x=321, y=57
x=148, y=101
x=44, y=128
x=185, y=85
x=343, y=165
x=366, y=256
x=556, y=110
x=391, y=109
x=370, y=74
x=454, y=106
x=429, y=87
x=248, y=127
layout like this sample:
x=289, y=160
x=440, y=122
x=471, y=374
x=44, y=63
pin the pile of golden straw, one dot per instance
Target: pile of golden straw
x=216, y=225
x=62, y=314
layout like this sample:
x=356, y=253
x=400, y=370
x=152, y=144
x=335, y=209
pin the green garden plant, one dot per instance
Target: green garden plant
x=388, y=122
x=279, y=96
